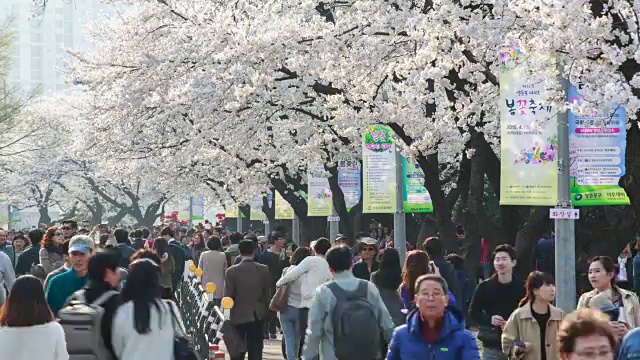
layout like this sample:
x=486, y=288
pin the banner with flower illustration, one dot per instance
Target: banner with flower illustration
x=320, y=202
x=529, y=141
x=231, y=210
x=378, y=170
x=597, y=147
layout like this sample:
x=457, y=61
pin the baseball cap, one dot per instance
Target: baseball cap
x=81, y=243
x=368, y=241
x=340, y=237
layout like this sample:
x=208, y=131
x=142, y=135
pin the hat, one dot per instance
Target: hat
x=81, y=243
x=368, y=241
x=340, y=237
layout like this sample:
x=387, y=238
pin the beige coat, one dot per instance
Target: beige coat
x=522, y=326
x=629, y=302
x=213, y=264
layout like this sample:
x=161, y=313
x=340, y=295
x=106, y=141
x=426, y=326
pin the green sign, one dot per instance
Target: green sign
x=415, y=197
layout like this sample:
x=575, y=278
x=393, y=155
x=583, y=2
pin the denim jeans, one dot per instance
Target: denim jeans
x=290, y=322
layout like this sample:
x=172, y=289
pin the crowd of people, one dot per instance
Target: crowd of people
x=329, y=300
x=334, y=301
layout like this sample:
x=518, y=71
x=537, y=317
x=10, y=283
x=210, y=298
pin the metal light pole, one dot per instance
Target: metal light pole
x=295, y=229
x=190, y=212
x=399, y=222
x=565, y=246
x=334, y=226
x=239, y=222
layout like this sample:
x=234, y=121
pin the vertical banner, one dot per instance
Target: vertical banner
x=529, y=140
x=197, y=208
x=284, y=211
x=256, y=208
x=349, y=182
x=184, y=210
x=379, y=170
x=231, y=210
x=320, y=202
x=597, y=147
x=415, y=197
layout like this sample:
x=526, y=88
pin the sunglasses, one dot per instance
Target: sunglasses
x=368, y=249
x=57, y=233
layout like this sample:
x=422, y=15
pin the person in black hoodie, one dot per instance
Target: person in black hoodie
x=30, y=256
x=494, y=300
x=103, y=276
x=433, y=247
x=122, y=237
x=137, y=239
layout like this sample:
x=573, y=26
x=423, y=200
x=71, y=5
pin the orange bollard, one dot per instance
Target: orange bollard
x=219, y=355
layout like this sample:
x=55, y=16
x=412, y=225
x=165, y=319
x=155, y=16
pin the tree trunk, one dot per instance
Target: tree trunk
x=115, y=220
x=526, y=239
x=44, y=216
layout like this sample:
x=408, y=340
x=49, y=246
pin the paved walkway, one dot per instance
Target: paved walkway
x=272, y=349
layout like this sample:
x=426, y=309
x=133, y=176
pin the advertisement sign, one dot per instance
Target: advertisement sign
x=415, y=197
x=284, y=211
x=379, y=173
x=197, y=208
x=529, y=141
x=349, y=182
x=320, y=202
x=256, y=208
x=231, y=210
x=597, y=146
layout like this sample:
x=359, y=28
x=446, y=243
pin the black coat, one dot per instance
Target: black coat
x=361, y=271
x=29, y=257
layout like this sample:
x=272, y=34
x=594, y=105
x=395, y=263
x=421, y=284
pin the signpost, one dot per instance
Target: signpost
x=565, y=254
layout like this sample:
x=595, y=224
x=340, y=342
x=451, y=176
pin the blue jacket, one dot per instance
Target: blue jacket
x=454, y=341
x=630, y=347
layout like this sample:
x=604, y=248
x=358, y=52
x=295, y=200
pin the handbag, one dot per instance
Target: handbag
x=182, y=349
x=280, y=299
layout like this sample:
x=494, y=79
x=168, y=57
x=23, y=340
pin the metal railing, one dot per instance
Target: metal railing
x=203, y=315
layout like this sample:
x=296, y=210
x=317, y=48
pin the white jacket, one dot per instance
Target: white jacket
x=313, y=271
x=7, y=276
x=128, y=344
x=48, y=342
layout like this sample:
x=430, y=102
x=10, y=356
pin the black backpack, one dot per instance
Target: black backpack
x=356, y=330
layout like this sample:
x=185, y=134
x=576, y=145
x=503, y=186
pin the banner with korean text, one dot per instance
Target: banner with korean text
x=379, y=170
x=529, y=141
x=597, y=147
x=284, y=211
x=349, y=182
x=320, y=201
x=415, y=197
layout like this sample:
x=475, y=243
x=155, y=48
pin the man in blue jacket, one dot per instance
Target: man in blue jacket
x=434, y=331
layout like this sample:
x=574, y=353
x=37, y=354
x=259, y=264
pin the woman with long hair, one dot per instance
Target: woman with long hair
x=26, y=315
x=416, y=264
x=167, y=265
x=197, y=247
x=145, y=325
x=51, y=256
x=290, y=319
x=531, y=331
x=387, y=279
x=621, y=305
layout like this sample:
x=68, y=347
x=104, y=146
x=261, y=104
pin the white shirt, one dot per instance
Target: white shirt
x=313, y=272
x=622, y=275
x=42, y=342
x=157, y=344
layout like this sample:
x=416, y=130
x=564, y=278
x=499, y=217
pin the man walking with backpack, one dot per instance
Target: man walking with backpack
x=347, y=319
